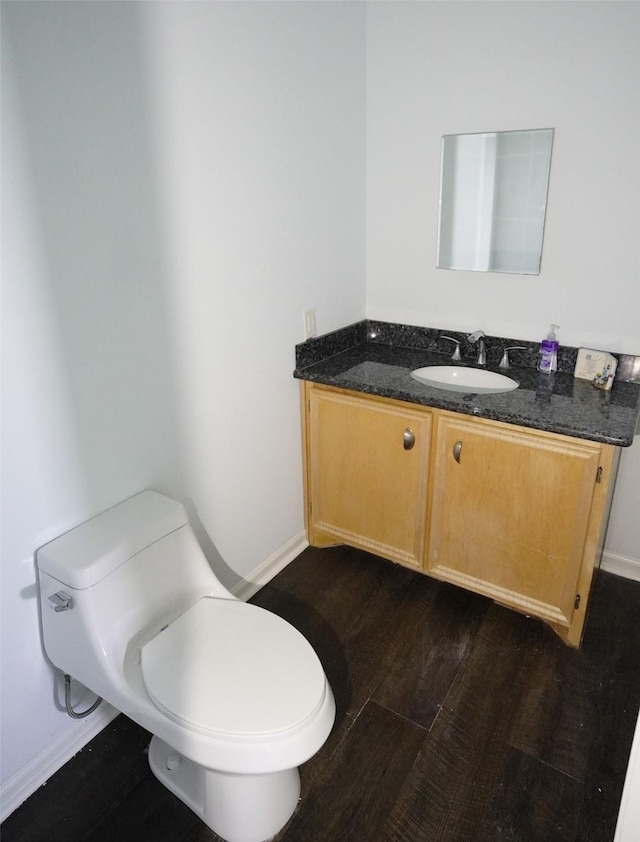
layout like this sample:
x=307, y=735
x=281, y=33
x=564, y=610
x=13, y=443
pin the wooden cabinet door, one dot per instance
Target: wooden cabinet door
x=510, y=511
x=366, y=481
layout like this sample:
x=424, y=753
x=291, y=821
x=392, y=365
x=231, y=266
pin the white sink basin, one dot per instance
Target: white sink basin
x=457, y=378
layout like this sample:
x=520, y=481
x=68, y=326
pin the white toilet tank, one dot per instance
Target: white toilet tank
x=117, y=579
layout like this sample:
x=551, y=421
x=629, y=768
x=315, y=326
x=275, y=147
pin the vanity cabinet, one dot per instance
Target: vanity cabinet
x=367, y=473
x=516, y=514
x=509, y=512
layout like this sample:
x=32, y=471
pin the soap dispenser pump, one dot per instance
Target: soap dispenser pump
x=549, y=351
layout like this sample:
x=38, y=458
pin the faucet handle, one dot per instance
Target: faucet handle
x=504, y=362
x=456, y=353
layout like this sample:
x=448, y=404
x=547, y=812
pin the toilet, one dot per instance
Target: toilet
x=236, y=698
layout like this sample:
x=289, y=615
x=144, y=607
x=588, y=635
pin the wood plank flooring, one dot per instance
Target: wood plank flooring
x=457, y=720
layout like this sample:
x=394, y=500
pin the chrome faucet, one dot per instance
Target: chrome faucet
x=504, y=362
x=456, y=353
x=478, y=337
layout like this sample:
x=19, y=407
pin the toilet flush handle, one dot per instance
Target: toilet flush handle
x=60, y=601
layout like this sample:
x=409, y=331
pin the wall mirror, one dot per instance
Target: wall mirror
x=493, y=200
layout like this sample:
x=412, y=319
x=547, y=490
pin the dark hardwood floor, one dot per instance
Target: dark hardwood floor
x=457, y=720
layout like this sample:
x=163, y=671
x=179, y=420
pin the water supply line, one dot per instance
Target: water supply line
x=76, y=714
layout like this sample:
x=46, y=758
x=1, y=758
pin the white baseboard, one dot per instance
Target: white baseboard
x=621, y=565
x=16, y=789
x=276, y=562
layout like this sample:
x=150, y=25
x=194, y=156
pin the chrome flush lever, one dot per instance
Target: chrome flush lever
x=60, y=601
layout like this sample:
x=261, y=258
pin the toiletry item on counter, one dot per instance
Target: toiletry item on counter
x=549, y=351
x=597, y=366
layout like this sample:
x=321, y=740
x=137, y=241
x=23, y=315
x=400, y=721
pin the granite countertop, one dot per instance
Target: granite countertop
x=377, y=358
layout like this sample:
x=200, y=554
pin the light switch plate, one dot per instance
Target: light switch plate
x=310, y=323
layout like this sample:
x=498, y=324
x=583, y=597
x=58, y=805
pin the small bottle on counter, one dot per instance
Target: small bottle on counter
x=549, y=351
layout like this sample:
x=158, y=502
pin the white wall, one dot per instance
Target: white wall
x=436, y=68
x=180, y=181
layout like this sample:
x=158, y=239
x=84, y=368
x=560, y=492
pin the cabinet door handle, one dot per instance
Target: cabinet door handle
x=457, y=450
x=408, y=438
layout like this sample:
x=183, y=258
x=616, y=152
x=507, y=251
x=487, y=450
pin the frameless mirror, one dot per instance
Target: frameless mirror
x=493, y=200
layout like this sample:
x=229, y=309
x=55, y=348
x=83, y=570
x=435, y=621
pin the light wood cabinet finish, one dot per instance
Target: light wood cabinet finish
x=366, y=488
x=506, y=511
x=510, y=516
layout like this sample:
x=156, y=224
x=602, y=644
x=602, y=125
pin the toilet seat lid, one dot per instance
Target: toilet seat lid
x=227, y=667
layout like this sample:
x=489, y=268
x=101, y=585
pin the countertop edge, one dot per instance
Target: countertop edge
x=450, y=405
x=376, y=358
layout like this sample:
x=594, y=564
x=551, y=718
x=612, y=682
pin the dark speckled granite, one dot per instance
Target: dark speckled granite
x=431, y=339
x=377, y=358
x=330, y=344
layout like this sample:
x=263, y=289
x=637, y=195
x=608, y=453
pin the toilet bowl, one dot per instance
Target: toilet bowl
x=235, y=697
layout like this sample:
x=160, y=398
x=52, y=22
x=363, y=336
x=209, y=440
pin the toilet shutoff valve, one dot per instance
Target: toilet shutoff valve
x=60, y=601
